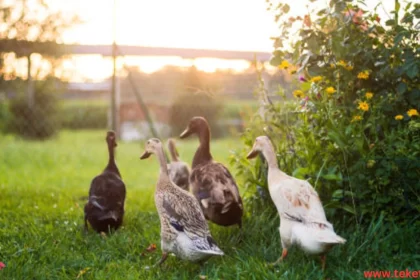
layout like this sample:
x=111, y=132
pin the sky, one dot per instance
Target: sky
x=206, y=24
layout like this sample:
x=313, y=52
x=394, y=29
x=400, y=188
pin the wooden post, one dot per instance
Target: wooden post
x=30, y=88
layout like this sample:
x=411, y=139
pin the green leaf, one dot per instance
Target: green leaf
x=414, y=96
x=334, y=136
x=277, y=58
x=332, y=177
x=413, y=71
x=390, y=22
x=401, y=88
x=301, y=172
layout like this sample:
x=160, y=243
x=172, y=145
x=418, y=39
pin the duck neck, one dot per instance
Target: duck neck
x=112, y=166
x=173, y=152
x=202, y=154
x=163, y=176
x=270, y=156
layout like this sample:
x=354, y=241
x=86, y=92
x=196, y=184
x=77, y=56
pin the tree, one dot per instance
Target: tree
x=28, y=27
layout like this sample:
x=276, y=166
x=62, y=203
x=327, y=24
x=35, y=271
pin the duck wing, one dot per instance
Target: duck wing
x=296, y=199
x=185, y=214
x=213, y=184
x=107, y=192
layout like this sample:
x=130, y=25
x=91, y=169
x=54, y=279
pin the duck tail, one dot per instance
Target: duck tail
x=331, y=237
x=215, y=251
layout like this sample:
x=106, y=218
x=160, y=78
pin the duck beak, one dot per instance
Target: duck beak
x=253, y=153
x=187, y=132
x=145, y=155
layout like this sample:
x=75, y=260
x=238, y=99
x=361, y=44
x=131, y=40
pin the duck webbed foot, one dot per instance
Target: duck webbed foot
x=162, y=259
x=85, y=228
x=282, y=257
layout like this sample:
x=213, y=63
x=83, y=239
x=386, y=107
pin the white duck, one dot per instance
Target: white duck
x=184, y=230
x=302, y=217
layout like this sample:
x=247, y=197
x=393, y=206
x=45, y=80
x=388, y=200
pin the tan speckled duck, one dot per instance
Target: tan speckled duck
x=184, y=230
x=302, y=217
x=211, y=182
x=179, y=172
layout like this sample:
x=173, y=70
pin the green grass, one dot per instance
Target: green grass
x=41, y=218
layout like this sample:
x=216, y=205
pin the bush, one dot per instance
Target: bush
x=354, y=128
x=190, y=105
x=4, y=114
x=81, y=116
x=40, y=120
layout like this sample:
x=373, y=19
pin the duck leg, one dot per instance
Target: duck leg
x=323, y=261
x=163, y=259
x=282, y=257
x=86, y=225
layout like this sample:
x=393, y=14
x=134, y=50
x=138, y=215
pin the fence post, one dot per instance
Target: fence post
x=30, y=88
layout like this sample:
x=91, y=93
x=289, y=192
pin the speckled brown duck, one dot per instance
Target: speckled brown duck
x=183, y=228
x=211, y=182
x=179, y=172
x=105, y=208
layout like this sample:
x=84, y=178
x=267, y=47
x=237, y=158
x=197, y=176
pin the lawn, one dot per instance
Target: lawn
x=43, y=186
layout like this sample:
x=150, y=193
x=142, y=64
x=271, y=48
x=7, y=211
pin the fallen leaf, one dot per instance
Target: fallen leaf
x=151, y=248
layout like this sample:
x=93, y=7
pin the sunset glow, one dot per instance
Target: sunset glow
x=201, y=24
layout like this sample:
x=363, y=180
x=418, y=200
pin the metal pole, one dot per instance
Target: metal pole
x=114, y=124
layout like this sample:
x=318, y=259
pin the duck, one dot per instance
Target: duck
x=302, y=216
x=211, y=182
x=183, y=229
x=179, y=172
x=105, y=208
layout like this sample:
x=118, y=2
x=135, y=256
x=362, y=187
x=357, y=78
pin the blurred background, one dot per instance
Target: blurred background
x=140, y=68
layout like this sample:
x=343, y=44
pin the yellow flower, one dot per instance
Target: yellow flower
x=399, y=117
x=356, y=118
x=369, y=95
x=363, y=106
x=284, y=64
x=332, y=65
x=316, y=79
x=364, y=75
x=412, y=112
x=330, y=90
x=298, y=94
x=342, y=63
x=345, y=65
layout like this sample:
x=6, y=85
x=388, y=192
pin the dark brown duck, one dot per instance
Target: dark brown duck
x=211, y=182
x=105, y=208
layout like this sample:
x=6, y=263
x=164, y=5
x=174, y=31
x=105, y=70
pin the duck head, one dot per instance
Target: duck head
x=196, y=125
x=259, y=144
x=153, y=145
x=111, y=138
